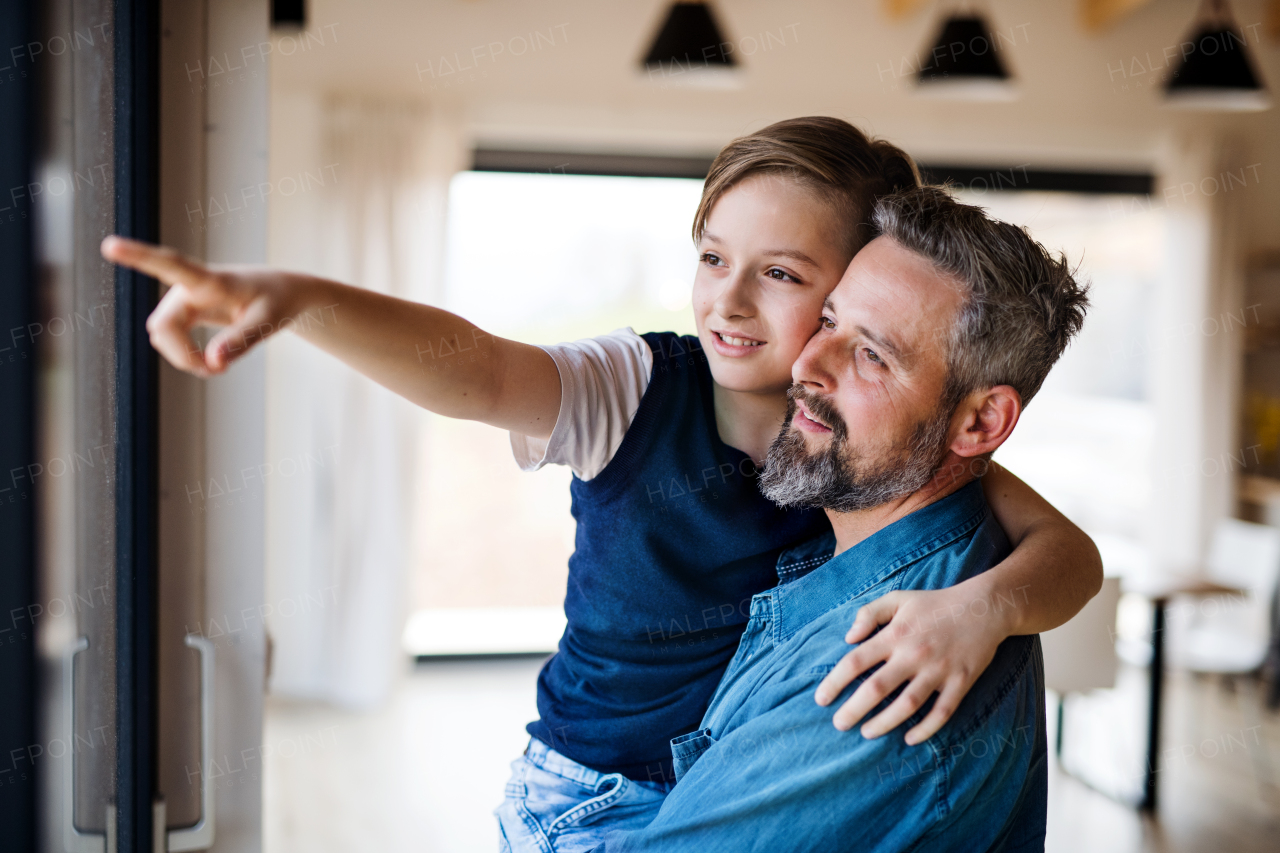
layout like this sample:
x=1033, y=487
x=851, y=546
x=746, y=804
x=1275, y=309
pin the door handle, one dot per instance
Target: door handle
x=73, y=840
x=200, y=835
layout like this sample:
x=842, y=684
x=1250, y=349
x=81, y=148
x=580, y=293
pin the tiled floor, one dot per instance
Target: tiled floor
x=1216, y=760
x=424, y=773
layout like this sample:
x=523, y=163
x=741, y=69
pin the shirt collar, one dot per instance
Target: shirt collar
x=805, y=591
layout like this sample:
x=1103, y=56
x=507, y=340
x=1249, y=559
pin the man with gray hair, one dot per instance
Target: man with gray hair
x=942, y=329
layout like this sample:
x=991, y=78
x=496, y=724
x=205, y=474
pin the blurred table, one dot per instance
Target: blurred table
x=1159, y=590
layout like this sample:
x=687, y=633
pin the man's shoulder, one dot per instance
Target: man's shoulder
x=819, y=595
x=966, y=782
x=809, y=648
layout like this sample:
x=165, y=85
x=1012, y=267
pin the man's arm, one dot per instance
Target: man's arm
x=1052, y=573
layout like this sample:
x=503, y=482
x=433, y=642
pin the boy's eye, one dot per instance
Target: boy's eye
x=780, y=275
x=827, y=323
x=710, y=259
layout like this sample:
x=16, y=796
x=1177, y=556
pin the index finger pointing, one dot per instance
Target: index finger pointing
x=158, y=262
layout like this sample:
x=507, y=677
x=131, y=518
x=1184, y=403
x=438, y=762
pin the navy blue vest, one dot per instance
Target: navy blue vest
x=673, y=540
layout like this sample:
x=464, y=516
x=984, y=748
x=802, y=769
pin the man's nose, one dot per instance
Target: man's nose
x=813, y=368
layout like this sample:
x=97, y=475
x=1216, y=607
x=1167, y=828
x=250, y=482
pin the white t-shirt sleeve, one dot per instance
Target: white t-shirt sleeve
x=602, y=381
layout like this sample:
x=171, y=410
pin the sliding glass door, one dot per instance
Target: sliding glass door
x=92, y=475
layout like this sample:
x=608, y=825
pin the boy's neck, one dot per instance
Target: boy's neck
x=749, y=421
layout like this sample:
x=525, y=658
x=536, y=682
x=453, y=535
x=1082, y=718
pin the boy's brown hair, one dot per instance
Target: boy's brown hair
x=848, y=169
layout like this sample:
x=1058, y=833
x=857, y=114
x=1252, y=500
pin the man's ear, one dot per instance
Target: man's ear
x=987, y=419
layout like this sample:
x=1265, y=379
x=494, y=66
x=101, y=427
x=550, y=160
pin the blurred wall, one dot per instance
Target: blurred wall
x=565, y=75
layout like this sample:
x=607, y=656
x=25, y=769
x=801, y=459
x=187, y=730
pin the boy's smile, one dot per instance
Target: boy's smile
x=735, y=344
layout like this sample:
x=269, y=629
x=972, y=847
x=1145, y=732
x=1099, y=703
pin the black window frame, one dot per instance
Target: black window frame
x=137, y=203
x=1021, y=177
x=17, y=444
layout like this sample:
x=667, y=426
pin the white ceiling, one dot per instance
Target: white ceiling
x=587, y=89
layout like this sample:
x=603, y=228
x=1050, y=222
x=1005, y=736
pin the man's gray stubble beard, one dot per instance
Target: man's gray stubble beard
x=830, y=479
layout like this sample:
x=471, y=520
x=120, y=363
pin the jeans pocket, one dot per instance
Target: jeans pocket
x=687, y=749
x=609, y=789
x=546, y=811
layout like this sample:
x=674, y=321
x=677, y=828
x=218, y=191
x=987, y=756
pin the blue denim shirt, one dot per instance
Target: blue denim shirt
x=768, y=771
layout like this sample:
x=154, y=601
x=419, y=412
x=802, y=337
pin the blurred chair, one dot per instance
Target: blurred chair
x=1081, y=655
x=1264, y=494
x=1231, y=635
x=1272, y=666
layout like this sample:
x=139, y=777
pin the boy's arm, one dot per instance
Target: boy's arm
x=942, y=640
x=429, y=356
x=1053, y=560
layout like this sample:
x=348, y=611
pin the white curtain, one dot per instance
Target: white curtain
x=352, y=201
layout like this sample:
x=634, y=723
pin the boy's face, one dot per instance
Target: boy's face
x=771, y=253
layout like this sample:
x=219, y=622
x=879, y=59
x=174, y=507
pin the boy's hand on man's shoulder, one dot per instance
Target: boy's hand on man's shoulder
x=931, y=641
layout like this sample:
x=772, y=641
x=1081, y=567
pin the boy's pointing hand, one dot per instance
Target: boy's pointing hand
x=249, y=304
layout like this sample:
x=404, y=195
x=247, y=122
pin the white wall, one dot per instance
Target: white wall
x=235, y=427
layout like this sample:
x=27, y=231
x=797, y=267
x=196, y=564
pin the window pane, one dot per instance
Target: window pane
x=73, y=211
x=539, y=258
x=1094, y=408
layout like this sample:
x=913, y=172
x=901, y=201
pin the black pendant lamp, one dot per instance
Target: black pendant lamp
x=691, y=49
x=1214, y=71
x=964, y=63
x=289, y=13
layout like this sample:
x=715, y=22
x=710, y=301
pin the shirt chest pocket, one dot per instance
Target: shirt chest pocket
x=687, y=749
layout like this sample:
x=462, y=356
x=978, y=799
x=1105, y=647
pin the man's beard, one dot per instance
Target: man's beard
x=838, y=478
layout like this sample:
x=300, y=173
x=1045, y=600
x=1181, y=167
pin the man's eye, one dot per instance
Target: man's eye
x=872, y=357
x=828, y=323
x=710, y=259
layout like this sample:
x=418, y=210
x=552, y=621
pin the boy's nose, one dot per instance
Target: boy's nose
x=733, y=301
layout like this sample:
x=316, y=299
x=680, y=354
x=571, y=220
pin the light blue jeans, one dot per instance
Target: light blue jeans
x=553, y=804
